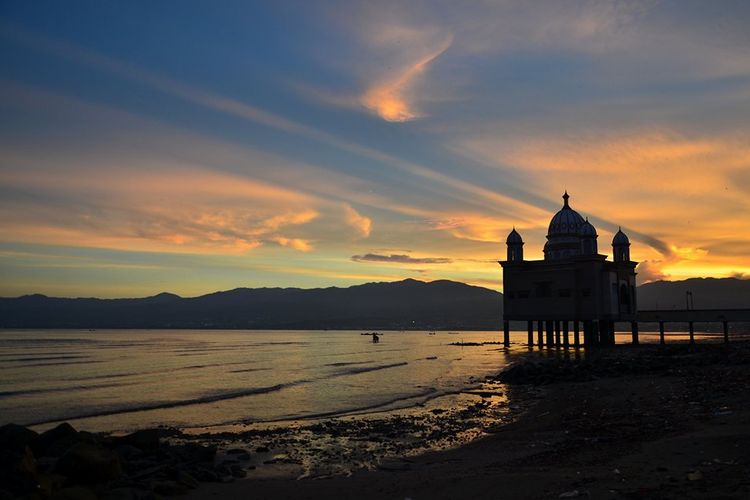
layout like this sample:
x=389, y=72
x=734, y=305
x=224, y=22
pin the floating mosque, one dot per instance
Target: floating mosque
x=574, y=286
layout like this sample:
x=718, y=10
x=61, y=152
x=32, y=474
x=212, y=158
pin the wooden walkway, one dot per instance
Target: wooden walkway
x=691, y=316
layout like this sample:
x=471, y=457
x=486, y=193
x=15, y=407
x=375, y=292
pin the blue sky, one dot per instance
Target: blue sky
x=197, y=146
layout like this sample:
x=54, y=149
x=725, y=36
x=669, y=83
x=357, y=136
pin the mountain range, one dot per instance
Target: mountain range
x=407, y=304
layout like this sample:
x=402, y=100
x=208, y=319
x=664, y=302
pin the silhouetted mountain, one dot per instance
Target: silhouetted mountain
x=407, y=304
x=708, y=293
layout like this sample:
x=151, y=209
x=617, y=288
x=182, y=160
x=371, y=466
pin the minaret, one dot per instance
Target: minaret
x=515, y=246
x=621, y=247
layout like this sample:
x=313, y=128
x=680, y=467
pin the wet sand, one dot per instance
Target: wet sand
x=630, y=422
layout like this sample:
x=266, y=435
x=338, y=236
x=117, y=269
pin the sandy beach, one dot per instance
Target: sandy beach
x=633, y=422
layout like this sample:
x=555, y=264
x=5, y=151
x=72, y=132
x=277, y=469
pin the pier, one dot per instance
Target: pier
x=556, y=333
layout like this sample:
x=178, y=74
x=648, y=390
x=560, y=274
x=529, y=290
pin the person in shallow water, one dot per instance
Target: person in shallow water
x=375, y=337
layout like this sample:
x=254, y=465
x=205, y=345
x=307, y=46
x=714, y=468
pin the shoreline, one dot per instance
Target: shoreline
x=616, y=422
x=628, y=422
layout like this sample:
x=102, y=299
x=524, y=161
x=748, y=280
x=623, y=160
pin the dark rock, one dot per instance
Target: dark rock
x=262, y=449
x=237, y=451
x=206, y=475
x=238, y=471
x=16, y=437
x=90, y=463
x=170, y=488
x=193, y=452
x=186, y=479
x=128, y=452
x=51, y=483
x=55, y=442
x=121, y=494
x=18, y=470
x=46, y=464
x=145, y=439
x=74, y=493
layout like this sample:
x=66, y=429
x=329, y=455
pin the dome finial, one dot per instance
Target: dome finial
x=565, y=198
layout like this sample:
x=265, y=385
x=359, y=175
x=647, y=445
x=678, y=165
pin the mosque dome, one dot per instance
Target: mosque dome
x=620, y=238
x=566, y=221
x=514, y=237
x=587, y=229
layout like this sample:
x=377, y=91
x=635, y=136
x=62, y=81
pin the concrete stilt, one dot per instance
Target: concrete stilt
x=566, y=343
x=692, y=332
x=540, y=335
x=558, y=343
x=587, y=333
x=506, y=333
x=550, y=333
x=530, y=340
x=576, y=334
x=634, y=332
x=726, y=332
x=661, y=333
x=595, y=338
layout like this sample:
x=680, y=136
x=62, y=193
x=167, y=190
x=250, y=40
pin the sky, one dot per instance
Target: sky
x=197, y=146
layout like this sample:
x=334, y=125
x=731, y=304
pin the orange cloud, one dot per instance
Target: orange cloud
x=172, y=208
x=362, y=224
x=390, y=98
x=483, y=228
x=295, y=243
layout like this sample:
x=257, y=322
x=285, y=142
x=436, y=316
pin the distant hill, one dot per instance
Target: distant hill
x=708, y=293
x=407, y=304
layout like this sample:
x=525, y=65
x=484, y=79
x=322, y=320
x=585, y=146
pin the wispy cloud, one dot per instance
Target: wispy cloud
x=400, y=259
x=392, y=97
x=234, y=107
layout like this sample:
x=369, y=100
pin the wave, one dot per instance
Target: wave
x=162, y=405
x=248, y=370
x=63, y=363
x=43, y=358
x=210, y=398
x=348, y=363
x=156, y=372
x=428, y=394
x=50, y=390
x=355, y=371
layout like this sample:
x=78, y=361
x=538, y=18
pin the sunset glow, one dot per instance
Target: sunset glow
x=334, y=143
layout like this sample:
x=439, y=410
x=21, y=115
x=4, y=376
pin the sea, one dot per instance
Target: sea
x=121, y=380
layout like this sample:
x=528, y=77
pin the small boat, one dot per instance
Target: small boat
x=431, y=333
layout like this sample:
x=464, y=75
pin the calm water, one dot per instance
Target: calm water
x=125, y=379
